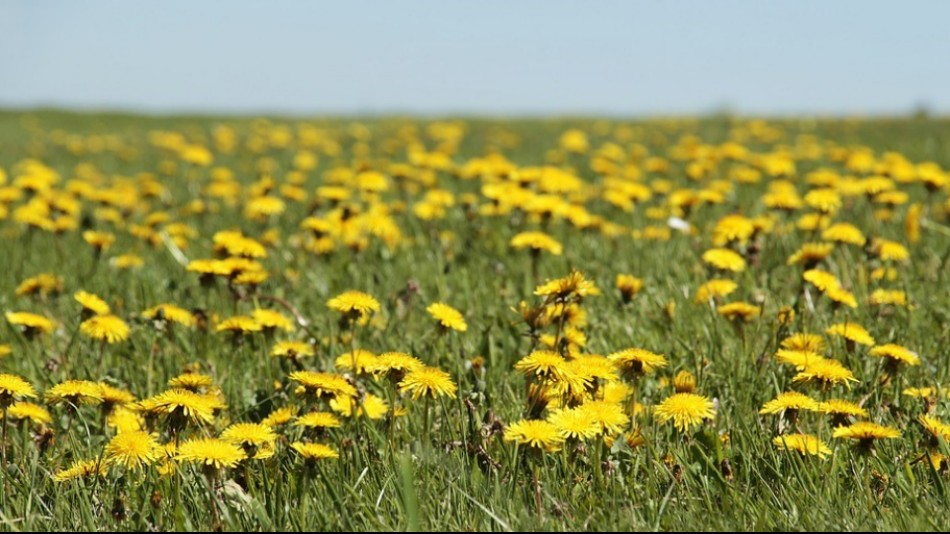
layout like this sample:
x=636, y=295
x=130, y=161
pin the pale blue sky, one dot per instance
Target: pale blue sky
x=485, y=57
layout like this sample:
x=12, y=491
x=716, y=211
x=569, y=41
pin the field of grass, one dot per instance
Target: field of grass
x=254, y=231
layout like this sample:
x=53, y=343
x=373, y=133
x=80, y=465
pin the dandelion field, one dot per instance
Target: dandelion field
x=395, y=324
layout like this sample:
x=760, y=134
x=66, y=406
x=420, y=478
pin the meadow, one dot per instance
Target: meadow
x=338, y=324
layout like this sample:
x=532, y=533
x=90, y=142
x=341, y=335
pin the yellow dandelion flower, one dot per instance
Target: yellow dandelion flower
x=428, y=381
x=239, y=324
x=638, y=361
x=170, y=312
x=616, y=392
x=257, y=439
x=800, y=359
x=108, y=328
x=574, y=423
x=360, y=361
x=841, y=407
x=191, y=382
x=31, y=323
x=92, y=303
x=895, y=353
x=724, y=259
x=684, y=382
x=852, y=332
x=825, y=372
x=935, y=427
x=395, y=364
x=132, y=450
x=823, y=280
x=866, y=432
x=323, y=385
x=210, y=452
x=74, y=392
x=713, y=290
x=844, y=233
x=593, y=367
x=541, y=435
x=542, y=364
x=370, y=406
x=629, y=286
x=272, y=320
x=823, y=200
x=292, y=350
x=113, y=396
x=13, y=388
x=127, y=261
x=804, y=342
x=27, y=411
x=732, y=228
x=354, y=303
x=180, y=405
x=280, y=416
x=810, y=254
x=99, y=240
x=447, y=316
x=313, y=452
x=236, y=244
x=261, y=208
x=889, y=250
x=125, y=419
x=536, y=242
x=842, y=296
x=318, y=420
x=610, y=416
x=572, y=286
x=735, y=311
x=804, y=444
x=43, y=284
x=789, y=400
x=685, y=410
x=81, y=469
x=884, y=297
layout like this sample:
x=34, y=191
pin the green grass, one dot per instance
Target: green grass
x=461, y=475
